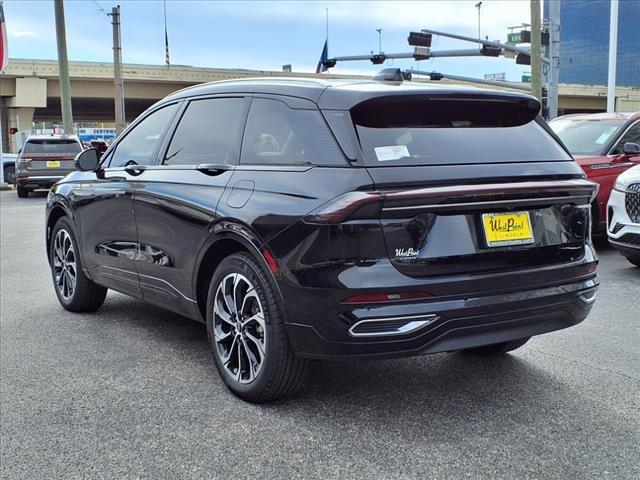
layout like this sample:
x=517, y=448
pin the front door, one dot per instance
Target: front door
x=104, y=204
x=175, y=201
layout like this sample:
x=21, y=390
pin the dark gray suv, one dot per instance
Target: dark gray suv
x=43, y=160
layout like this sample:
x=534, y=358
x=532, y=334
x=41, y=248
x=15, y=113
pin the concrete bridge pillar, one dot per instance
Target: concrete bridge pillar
x=20, y=118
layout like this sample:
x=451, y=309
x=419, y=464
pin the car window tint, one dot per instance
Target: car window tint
x=208, y=132
x=632, y=135
x=140, y=144
x=276, y=134
x=53, y=145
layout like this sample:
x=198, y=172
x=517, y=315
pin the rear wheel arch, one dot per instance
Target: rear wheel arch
x=219, y=247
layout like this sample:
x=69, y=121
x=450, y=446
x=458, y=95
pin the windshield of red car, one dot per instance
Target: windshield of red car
x=586, y=137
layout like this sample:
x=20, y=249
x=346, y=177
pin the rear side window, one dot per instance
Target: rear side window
x=52, y=146
x=138, y=147
x=209, y=132
x=418, y=130
x=278, y=135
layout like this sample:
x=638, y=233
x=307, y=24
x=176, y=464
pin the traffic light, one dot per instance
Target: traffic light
x=421, y=53
x=419, y=39
x=523, y=59
x=490, y=51
x=378, y=58
x=329, y=63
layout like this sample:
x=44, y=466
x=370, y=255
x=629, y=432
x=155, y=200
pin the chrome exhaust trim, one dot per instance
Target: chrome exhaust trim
x=376, y=327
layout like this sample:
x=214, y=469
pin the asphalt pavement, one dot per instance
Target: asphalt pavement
x=131, y=392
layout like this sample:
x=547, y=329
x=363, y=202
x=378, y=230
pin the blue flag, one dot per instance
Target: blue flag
x=323, y=58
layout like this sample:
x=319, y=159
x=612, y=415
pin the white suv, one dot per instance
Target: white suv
x=623, y=215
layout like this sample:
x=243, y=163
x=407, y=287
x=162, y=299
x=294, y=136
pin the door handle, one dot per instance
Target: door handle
x=213, y=169
x=135, y=170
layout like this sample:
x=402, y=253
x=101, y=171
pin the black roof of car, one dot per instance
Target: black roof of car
x=339, y=94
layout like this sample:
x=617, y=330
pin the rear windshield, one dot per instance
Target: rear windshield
x=52, y=146
x=586, y=137
x=428, y=131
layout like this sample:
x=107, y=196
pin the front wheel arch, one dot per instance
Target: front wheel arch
x=55, y=213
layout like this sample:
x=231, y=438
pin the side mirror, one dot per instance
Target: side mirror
x=88, y=160
x=19, y=151
x=631, y=148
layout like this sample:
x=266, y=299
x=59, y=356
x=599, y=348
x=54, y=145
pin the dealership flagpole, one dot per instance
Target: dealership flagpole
x=166, y=37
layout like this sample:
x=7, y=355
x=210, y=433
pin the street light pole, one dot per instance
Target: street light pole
x=536, y=56
x=379, y=30
x=63, y=68
x=479, y=6
x=117, y=71
x=613, y=53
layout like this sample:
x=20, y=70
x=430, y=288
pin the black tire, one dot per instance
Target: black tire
x=635, y=259
x=23, y=192
x=10, y=174
x=87, y=296
x=281, y=372
x=498, y=348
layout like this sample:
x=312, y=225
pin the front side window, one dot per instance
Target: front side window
x=278, y=135
x=140, y=144
x=631, y=135
x=209, y=132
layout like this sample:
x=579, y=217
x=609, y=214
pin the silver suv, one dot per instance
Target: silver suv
x=43, y=160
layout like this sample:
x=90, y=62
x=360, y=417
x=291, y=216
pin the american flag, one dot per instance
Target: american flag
x=4, y=49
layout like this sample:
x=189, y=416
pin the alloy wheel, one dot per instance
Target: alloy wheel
x=239, y=328
x=64, y=264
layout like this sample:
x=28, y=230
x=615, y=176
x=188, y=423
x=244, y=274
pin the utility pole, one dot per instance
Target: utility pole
x=117, y=71
x=63, y=68
x=536, y=57
x=613, y=53
x=554, y=55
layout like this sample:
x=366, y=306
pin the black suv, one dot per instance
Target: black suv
x=307, y=219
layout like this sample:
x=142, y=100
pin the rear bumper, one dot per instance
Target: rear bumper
x=449, y=324
x=37, y=181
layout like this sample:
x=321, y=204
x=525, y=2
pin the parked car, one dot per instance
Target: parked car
x=623, y=215
x=306, y=219
x=9, y=167
x=99, y=145
x=43, y=160
x=605, y=145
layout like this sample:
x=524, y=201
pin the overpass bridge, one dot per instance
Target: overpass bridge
x=30, y=91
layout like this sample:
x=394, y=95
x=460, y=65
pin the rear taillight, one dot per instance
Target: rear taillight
x=386, y=297
x=350, y=206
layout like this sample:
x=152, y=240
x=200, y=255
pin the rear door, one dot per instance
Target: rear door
x=104, y=204
x=176, y=199
x=50, y=157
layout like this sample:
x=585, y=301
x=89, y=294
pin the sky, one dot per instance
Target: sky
x=264, y=35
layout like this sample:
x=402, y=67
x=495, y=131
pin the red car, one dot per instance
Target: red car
x=605, y=145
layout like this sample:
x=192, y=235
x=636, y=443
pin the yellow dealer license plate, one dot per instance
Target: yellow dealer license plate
x=501, y=229
x=53, y=164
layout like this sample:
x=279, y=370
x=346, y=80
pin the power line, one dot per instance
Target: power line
x=100, y=7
